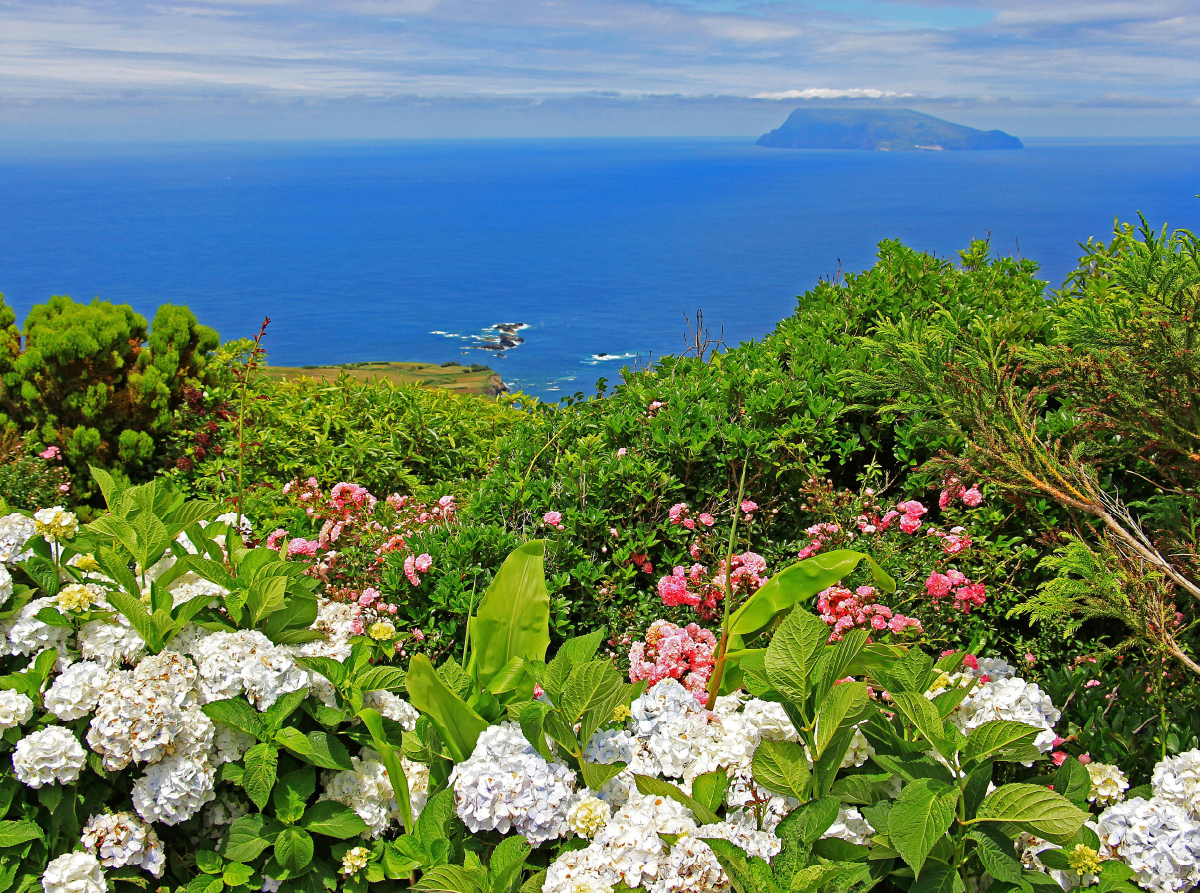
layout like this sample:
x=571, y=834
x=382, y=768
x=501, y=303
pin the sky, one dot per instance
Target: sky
x=119, y=70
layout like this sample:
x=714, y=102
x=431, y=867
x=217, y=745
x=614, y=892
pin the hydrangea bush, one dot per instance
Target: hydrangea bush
x=182, y=711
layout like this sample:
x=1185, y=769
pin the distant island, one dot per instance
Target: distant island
x=888, y=130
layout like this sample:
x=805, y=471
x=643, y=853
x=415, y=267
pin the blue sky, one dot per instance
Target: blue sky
x=230, y=69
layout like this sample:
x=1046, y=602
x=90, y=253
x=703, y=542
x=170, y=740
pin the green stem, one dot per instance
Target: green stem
x=251, y=364
x=714, y=684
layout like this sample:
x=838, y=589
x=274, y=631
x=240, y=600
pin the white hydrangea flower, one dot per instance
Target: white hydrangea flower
x=171, y=671
x=111, y=643
x=580, y=871
x=1156, y=839
x=15, y=709
x=851, y=826
x=506, y=785
x=137, y=720
x=685, y=746
x=335, y=620
x=417, y=776
x=49, y=756
x=741, y=828
x=220, y=813
x=229, y=744
x=79, y=596
x=238, y=521
x=74, y=873
x=770, y=719
x=174, y=789
x=25, y=634
x=246, y=661
x=630, y=841
x=690, y=867
x=1108, y=783
x=367, y=790
x=15, y=531
x=1009, y=699
x=6, y=585
x=121, y=839
x=75, y=693
x=56, y=524
x=859, y=752
x=393, y=707
x=610, y=746
x=994, y=668
x=587, y=814
x=270, y=885
x=1177, y=780
x=660, y=704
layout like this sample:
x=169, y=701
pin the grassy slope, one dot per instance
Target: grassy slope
x=458, y=379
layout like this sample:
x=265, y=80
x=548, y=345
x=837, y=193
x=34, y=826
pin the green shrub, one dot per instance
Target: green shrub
x=90, y=384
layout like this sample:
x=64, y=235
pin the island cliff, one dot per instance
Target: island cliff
x=881, y=129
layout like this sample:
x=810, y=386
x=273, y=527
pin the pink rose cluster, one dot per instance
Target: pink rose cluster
x=679, y=515
x=820, y=533
x=673, y=652
x=414, y=566
x=654, y=407
x=553, y=520
x=967, y=595
x=953, y=490
x=845, y=610
x=689, y=587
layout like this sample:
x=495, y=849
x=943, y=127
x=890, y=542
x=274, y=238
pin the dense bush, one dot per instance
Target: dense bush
x=86, y=381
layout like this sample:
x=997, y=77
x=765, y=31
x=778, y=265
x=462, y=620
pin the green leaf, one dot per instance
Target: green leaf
x=381, y=679
x=976, y=788
x=248, y=837
x=319, y=748
x=996, y=737
x=533, y=717
x=458, y=724
x=333, y=820
x=782, y=768
x=921, y=714
x=293, y=850
x=136, y=614
x=262, y=762
x=794, y=586
x=656, y=787
x=292, y=793
x=837, y=660
x=588, y=684
x=237, y=714
x=209, y=862
x=513, y=618
x=736, y=866
x=16, y=833
x=504, y=868
x=387, y=755
x=997, y=853
x=595, y=775
x=1073, y=781
x=809, y=821
x=793, y=653
x=843, y=705
x=922, y=814
x=205, y=883
x=938, y=878
x=710, y=788
x=1034, y=809
x=452, y=879
x=331, y=669
x=236, y=874
x=283, y=708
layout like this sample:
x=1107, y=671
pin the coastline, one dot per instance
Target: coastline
x=479, y=381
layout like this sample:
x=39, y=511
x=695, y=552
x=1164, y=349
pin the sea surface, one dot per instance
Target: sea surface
x=601, y=248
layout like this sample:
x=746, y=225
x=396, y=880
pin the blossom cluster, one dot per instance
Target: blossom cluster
x=703, y=591
x=673, y=652
x=845, y=610
x=966, y=593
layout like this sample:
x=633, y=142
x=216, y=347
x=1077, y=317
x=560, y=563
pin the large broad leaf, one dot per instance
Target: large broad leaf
x=793, y=654
x=997, y=853
x=1073, y=781
x=14, y=833
x=513, y=619
x=795, y=586
x=294, y=850
x=920, y=817
x=923, y=716
x=459, y=725
x=995, y=738
x=319, y=748
x=249, y=836
x=262, y=763
x=843, y=706
x=452, y=879
x=237, y=714
x=1034, y=809
x=938, y=878
x=333, y=820
x=782, y=768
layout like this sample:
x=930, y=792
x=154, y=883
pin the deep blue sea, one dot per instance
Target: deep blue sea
x=411, y=250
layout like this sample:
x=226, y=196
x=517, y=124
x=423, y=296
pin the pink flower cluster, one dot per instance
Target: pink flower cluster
x=553, y=519
x=673, y=652
x=953, y=489
x=967, y=595
x=679, y=512
x=819, y=533
x=49, y=453
x=373, y=598
x=414, y=566
x=844, y=610
x=688, y=587
x=654, y=407
x=749, y=507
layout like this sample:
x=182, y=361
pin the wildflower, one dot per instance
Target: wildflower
x=912, y=507
x=673, y=590
x=678, y=512
x=355, y=860
x=417, y=635
x=368, y=596
x=672, y=652
x=938, y=586
x=274, y=538
x=381, y=630
x=954, y=543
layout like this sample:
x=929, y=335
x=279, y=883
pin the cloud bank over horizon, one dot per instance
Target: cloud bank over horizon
x=231, y=69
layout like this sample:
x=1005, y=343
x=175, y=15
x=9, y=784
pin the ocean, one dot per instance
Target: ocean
x=601, y=249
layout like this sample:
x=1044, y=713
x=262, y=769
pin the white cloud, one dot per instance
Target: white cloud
x=825, y=93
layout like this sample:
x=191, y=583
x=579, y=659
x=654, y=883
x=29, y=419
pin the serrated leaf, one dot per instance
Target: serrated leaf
x=294, y=850
x=205, y=883
x=333, y=819
x=938, y=878
x=595, y=775
x=381, y=679
x=996, y=737
x=1073, y=781
x=923, y=716
x=710, y=788
x=837, y=660
x=16, y=833
x=782, y=768
x=920, y=817
x=997, y=853
x=588, y=683
x=844, y=704
x=237, y=714
x=793, y=653
x=248, y=837
x=532, y=719
x=1034, y=809
x=209, y=862
x=319, y=748
x=262, y=763
x=291, y=793
x=452, y=879
x=656, y=787
x=236, y=874
x=809, y=821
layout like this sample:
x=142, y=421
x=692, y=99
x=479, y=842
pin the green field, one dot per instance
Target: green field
x=459, y=379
